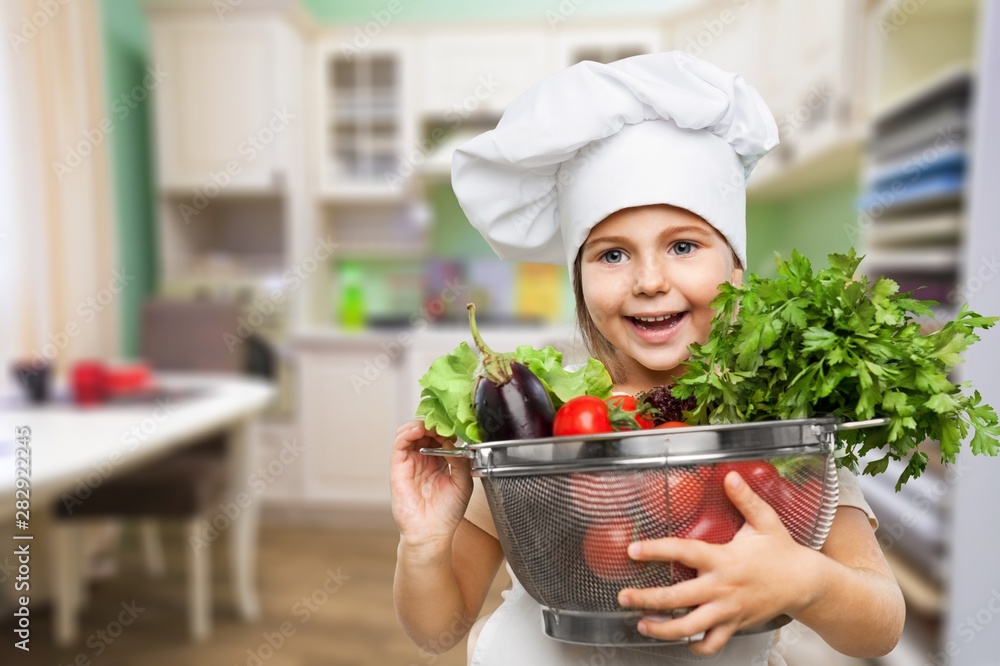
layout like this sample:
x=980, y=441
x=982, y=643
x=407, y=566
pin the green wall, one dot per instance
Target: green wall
x=816, y=223
x=126, y=55
x=363, y=11
x=452, y=237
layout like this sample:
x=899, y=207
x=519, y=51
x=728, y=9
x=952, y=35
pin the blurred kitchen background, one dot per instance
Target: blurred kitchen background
x=292, y=160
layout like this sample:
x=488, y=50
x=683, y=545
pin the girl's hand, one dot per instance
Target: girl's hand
x=760, y=574
x=429, y=493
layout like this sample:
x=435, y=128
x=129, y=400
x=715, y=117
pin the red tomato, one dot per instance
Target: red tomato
x=600, y=494
x=813, y=494
x=653, y=496
x=605, y=545
x=798, y=507
x=627, y=404
x=714, y=524
x=673, y=424
x=684, y=488
x=687, y=489
x=583, y=415
x=760, y=475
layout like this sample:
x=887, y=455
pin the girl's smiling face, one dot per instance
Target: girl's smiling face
x=654, y=262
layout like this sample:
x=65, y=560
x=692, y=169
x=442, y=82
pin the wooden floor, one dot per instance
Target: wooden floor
x=355, y=625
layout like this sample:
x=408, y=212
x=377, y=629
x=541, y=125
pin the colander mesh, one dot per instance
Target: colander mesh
x=565, y=534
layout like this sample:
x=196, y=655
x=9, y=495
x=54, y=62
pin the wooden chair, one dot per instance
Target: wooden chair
x=186, y=485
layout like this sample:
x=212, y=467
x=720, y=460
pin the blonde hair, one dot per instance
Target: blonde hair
x=597, y=345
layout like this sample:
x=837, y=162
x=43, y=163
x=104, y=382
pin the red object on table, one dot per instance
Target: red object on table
x=88, y=380
x=128, y=378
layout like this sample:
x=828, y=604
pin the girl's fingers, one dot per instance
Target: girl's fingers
x=758, y=513
x=714, y=640
x=405, y=439
x=410, y=424
x=463, y=464
x=700, y=619
x=415, y=429
x=687, y=594
x=696, y=554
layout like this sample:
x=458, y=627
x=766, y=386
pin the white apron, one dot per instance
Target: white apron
x=513, y=636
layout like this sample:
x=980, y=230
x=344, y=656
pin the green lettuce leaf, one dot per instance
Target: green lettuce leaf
x=446, y=399
x=562, y=386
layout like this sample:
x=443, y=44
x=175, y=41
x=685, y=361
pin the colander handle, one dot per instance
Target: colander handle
x=858, y=425
x=446, y=453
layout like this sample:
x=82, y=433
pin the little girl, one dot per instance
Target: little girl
x=633, y=174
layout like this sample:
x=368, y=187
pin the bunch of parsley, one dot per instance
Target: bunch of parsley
x=831, y=344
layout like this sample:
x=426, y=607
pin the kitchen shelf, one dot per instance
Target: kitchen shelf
x=229, y=237
x=921, y=94
x=918, y=260
x=916, y=230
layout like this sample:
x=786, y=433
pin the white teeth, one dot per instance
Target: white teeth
x=651, y=319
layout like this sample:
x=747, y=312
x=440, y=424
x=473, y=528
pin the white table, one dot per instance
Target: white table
x=69, y=443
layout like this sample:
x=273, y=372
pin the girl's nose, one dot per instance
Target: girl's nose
x=650, y=278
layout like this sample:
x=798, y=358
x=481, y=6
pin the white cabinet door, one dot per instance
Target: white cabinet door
x=471, y=74
x=281, y=464
x=348, y=407
x=366, y=124
x=219, y=109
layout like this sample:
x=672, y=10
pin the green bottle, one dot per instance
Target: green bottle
x=352, y=298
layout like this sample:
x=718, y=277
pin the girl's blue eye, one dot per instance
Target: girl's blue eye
x=608, y=256
x=683, y=247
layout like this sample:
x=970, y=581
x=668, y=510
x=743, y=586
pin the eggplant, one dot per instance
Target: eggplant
x=511, y=402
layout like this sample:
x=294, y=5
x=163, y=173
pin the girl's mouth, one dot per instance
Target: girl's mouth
x=659, y=330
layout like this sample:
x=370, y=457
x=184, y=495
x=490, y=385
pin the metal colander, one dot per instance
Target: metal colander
x=566, y=508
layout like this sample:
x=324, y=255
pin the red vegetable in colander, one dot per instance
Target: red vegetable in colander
x=760, y=475
x=605, y=549
x=716, y=523
x=684, y=488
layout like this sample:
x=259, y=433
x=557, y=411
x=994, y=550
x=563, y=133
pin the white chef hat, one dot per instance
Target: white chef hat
x=593, y=139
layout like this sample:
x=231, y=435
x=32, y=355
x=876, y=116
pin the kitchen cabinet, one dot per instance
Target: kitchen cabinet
x=348, y=413
x=604, y=44
x=816, y=104
x=280, y=469
x=226, y=101
x=229, y=130
x=367, y=123
x=479, y=72
x=355, y=390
